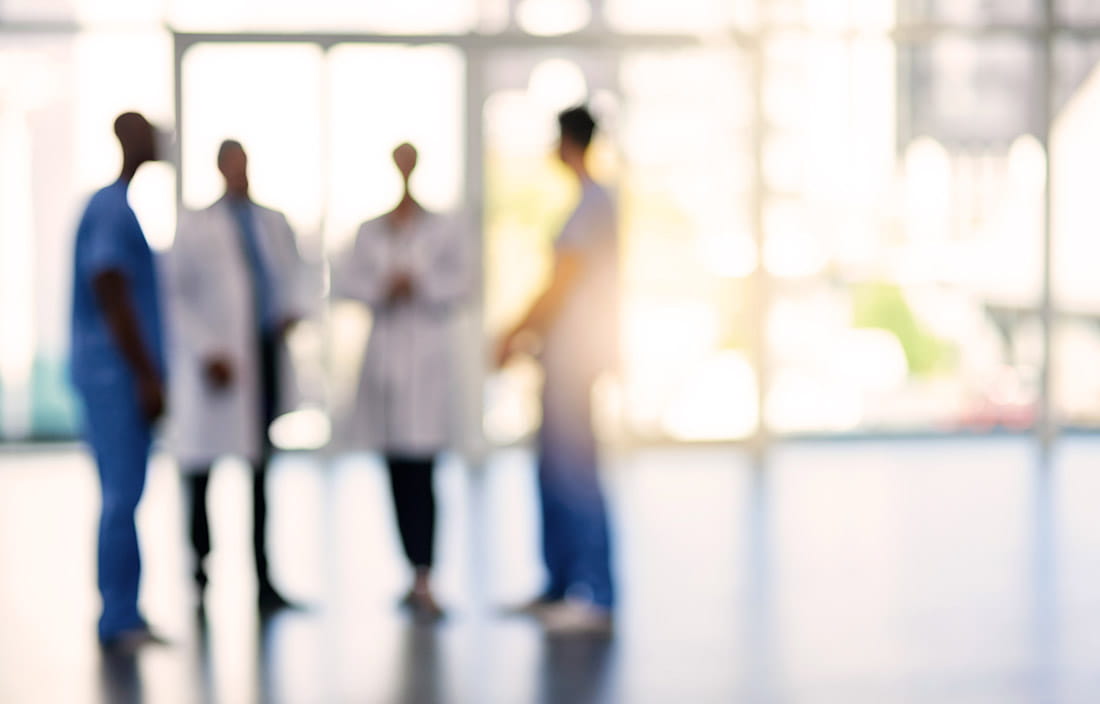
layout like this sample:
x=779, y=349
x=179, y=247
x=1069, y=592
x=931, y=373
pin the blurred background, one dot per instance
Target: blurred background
x=871, y=220
x=836, y=216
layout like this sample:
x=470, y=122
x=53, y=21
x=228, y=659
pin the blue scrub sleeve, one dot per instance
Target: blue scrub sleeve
x=104, y=249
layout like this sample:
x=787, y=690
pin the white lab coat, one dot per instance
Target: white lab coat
x=405, y=399
x=211, y=312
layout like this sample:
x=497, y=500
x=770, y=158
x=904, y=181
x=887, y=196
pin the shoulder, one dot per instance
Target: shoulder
x=215, y=210
x=190, y=218
x=101, y=197
x=203, y=217
x=107, y=199
x=597, y=208
x=192, y=228
x=265, y=211
x=372, y=226
x=366, y=235
x=271, y=216
x=198, y=222
x=597, y=197
x=451, y=227
x=439, y=223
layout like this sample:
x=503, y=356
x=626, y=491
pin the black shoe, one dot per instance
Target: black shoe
x=200, y=594
x=270, y=601
x=130, y=642
x=422, y=607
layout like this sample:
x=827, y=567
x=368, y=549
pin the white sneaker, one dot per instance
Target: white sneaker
x=577, y=618
x=535, y=608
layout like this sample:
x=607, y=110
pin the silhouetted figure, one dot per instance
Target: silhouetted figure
x=236, y=290
x=118, y=372
x=575, y=321
x=411, y=267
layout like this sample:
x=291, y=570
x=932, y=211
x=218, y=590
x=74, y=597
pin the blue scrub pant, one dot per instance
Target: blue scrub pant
x=575, y=534
x=120, y=440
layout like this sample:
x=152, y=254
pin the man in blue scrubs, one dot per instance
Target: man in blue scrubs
x=575, y=320
x=118, y=371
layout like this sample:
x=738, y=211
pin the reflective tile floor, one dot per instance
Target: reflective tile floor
x=848, y=572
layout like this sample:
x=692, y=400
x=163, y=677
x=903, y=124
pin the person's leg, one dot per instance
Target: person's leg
x=554, y=520
x=269, y=391
x=120, y=441
x=270, y=599
x=584, y=528
x=414, y=506
x=591, y=533
x=259, y=526
x=197, y=482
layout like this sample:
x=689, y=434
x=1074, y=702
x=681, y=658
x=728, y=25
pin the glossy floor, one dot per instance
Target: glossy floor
x=892, y=571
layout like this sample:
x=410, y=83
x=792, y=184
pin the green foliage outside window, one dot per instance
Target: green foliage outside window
x=883, y=306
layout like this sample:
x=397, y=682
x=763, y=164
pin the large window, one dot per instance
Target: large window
x=368, y=16
x=834, y=212
x=59, y=92
x=903, y=229
x=1075, y=146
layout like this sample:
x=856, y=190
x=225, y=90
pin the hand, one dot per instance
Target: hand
x=505, y=349
x=219, y=373
x=401, y=287
x=287, y=324
x=151, y=396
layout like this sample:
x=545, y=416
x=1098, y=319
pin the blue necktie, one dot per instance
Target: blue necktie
x=261, y=280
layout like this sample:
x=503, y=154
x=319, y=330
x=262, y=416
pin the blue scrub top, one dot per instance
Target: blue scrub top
x=109, y=237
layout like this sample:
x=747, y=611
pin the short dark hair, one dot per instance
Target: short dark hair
x=127, y=121
x=578, y=125
x=229, y=145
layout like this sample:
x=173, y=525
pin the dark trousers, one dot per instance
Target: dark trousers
x=199, y=479
x=414, y=504
x=200, y=524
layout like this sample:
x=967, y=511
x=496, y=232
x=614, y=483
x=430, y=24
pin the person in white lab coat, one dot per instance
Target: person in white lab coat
x=412, y=268
x=235, y=286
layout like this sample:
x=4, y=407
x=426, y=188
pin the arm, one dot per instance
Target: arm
x=184, y=285
x=294, y=299
x=113, y=296
x=358, y=275
x=542, y=313
x=446, y=277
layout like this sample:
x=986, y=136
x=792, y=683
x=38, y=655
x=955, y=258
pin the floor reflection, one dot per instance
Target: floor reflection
x=870, y=572
x=759, y=632
x=120, y=680
x=421, y=675
x=1042, y=574
x=576, y=670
